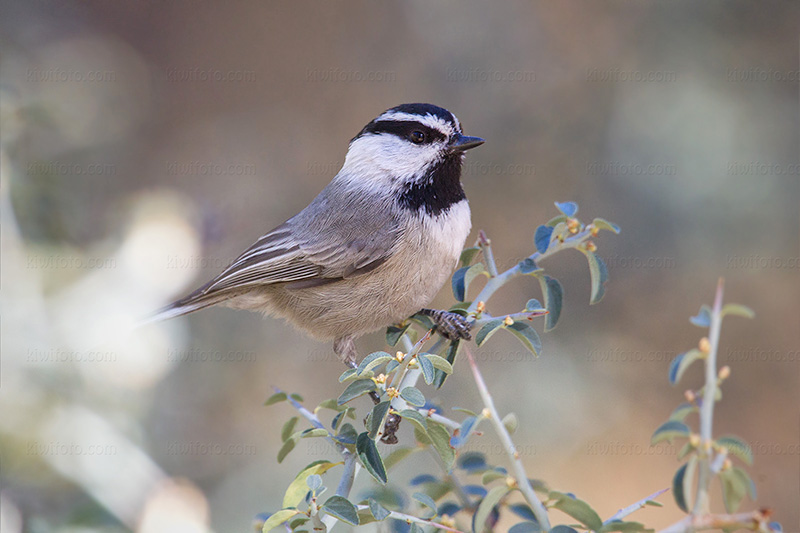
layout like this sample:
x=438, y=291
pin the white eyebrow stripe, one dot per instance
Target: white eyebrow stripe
x=428, y=120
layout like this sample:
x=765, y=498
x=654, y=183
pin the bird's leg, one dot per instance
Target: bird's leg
x=345, y=348
x=451, y=325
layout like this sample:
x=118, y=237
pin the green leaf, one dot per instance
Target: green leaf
x=682, y=484
x=288, y=429
x=735, y=485
x=347, y=434
x=577, y=509
x=331, y=404
x=681, y=362
x=393, y=333
x=542, y=238
x=427, y=501
x=487, y=504
x=553, y=297
x=287, y=447
x=419, y=421
x=452, y=352
x=313, y=432
x=599, y=274
x=601, y=223
x=368, y=453
x=427, y=368
x=376, y=418
x=413, y=396
x=278, y=518
x=682, y=411
x=440, y=439
x=314, y=481
x=738, y=310
x=439, y=363
x=685, y=450
x=463, y=277
x=527, y=336
x=380, y=512
x=563, y=529
x=624, y=527
x=355, y=389
x=568, y=208
x=492, y=475
x=468, y=255
x=348, y=374
x=373, y=360
x=703, y=318
x=298, y=487
x=556, y=220
x=528, y=266
x=668, y=431
x=737, y=447
x=488, y=330
x=511, y=423
x=275, y=398
x=342, y=509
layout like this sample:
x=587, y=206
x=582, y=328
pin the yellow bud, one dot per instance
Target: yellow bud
x=694, y=440
x=392, y=392
x=592, y=247
x=725, y=372
x=380, y=379
x=573, y=224
x=508, y=321
x=594, y=230
x=511, y=482
x=480, y=307
x=727, y=464
x=705, y=345
x=399, y=356
x=706, y=446
x=486, y=413
x=690, y=396
x=413, y=362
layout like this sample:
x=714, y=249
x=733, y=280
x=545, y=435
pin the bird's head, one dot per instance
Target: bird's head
x=411, y=145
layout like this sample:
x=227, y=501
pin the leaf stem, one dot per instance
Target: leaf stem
x=702, y=503
x=519, y=470
x=622, y=513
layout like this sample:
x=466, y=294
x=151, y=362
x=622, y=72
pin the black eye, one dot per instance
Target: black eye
x=417, y=137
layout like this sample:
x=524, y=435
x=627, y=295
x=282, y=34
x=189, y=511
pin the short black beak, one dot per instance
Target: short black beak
x=461, y=143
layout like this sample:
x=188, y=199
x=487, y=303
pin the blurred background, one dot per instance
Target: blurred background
x=145, y=144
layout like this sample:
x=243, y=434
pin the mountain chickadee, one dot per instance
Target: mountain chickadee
x=373, y=248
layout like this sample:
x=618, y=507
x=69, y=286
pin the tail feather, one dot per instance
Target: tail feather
x=194, y=302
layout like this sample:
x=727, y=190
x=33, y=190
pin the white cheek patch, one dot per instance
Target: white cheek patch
x=387, y=157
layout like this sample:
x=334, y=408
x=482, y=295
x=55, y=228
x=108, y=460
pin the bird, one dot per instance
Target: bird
x=372, y=249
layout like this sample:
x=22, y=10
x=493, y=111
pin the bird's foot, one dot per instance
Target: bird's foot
x=450, y=325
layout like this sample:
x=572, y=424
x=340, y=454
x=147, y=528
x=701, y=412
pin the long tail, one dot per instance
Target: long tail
x=194, y=302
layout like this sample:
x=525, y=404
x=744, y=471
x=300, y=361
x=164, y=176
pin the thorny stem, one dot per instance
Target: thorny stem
x=519, y=470
x=702, y=503
x=622, y=513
